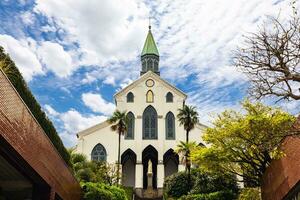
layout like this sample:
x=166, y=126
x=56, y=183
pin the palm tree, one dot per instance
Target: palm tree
x=188, y=117
x=119, y=124
x=182, y=149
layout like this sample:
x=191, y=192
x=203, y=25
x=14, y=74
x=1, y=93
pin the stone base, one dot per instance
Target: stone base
x=149, y=193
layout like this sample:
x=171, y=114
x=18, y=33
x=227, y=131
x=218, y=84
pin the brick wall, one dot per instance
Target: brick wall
x=20, y=129
x=283, y=174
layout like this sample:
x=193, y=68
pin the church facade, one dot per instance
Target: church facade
x=153, y=131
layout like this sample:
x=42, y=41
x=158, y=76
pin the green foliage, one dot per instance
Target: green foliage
x=250, y=194
x=176, y=185
x=100, y=191
x=14, y=75
x=204, y=185
x=244, y=144
x=220, y=195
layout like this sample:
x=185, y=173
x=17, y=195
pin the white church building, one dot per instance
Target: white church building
x=153, y=132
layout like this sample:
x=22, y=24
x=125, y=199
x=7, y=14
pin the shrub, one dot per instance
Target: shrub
x=250, y=194
x=118, y=193
x=129, y=192
x=176, y=185
x=100, y=191
x=98, y=194
x=220, y=195
x=210, y=183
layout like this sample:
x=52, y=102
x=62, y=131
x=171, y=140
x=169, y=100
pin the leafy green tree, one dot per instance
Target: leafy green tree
x=188, y=117
x=245, y=143
x=118, y=123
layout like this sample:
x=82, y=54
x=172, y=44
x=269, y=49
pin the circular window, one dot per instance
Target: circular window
x=150, y=83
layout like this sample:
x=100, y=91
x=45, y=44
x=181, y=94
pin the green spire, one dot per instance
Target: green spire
x=150, y=46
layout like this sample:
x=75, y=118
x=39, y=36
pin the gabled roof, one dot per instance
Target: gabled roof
x=93, y=129
x=156, y=78
x=150, y=46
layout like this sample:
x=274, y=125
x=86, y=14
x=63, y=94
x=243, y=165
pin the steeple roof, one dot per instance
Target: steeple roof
x=150, y=46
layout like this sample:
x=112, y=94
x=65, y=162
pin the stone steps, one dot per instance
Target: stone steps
x=148, y=194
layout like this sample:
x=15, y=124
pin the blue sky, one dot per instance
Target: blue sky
x=75, y=54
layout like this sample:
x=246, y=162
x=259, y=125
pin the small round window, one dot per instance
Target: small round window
x=149, y=83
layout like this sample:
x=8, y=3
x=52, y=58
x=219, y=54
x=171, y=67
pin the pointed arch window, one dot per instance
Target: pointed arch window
x=149, y=97
x=130, y=97
x=150, y=123
x=130, y=126
x=99, y=153
x=169, y=97
x=170, y=126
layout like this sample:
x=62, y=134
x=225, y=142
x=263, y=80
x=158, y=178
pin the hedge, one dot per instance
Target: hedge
x=20, y=85
x=100, y=191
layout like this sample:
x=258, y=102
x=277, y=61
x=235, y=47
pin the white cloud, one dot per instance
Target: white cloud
x=56, y=58
x=72, y=122
x=51, y=111
x=197, y=37
x=28, y=18
x=109, y=29
x=97, y=104
x=22, y=53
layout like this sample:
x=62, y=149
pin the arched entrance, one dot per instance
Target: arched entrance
x=150, y=153
x=171, y=161
x=128, y=161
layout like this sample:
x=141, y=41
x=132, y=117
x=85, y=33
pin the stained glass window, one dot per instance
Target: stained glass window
x=150, y=123
x=149, y=97
x=130, y=126
x=99, y=153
